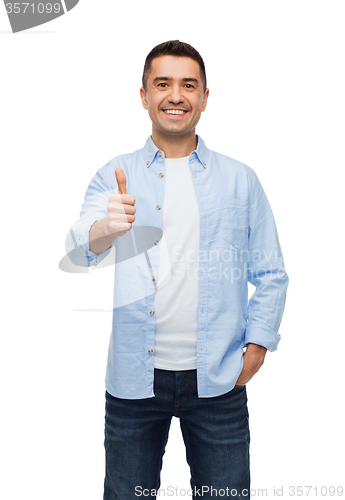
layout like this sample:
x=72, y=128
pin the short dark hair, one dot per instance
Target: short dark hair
x=174, y=48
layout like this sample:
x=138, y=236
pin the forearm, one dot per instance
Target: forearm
x=100, y=237
x=266, y=306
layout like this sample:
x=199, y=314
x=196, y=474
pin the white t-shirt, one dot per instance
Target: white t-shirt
x=176, y=303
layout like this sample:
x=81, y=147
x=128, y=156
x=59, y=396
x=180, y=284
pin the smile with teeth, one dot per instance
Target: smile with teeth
x=175, y=111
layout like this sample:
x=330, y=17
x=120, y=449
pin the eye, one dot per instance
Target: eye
x=189, y=86
x=163, y=84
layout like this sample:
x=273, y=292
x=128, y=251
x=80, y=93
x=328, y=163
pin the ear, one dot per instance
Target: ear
x=204, y=100
x=143, y=98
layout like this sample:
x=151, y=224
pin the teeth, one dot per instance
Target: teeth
x=174, y=111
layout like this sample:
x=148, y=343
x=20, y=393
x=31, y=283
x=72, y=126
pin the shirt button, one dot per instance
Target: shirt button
x=153, y=278
x=150, y=351
x=159, y=154
x=204, y=164
x=161, y=175
x=152, y=313
x=158, y=207
x=156, y=242
x=147, y=163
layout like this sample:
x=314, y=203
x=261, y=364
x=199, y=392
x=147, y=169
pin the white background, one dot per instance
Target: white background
x=69, y=103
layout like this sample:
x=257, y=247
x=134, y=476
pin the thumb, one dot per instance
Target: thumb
x=121, y=180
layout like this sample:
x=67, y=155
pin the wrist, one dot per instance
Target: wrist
x=256, y=347
x=105, y=227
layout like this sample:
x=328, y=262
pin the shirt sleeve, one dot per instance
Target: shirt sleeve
x=266, y=271
x=93, y=209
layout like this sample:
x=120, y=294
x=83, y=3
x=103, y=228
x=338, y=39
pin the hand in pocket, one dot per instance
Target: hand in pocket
x=253, y=359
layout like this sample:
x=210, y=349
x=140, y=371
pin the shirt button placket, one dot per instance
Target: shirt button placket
x=158, y=207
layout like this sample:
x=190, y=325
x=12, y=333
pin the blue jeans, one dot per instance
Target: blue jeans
x=215, y=432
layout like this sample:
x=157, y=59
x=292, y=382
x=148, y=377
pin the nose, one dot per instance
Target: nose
x=175, y=95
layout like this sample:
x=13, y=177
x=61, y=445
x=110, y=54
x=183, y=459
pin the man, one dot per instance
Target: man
x=185, y=340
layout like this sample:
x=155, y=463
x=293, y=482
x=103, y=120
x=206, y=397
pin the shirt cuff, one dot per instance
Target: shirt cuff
x=83, y=241
x=261, y=334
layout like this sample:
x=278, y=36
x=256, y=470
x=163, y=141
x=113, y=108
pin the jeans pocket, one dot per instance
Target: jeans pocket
x=239, y=387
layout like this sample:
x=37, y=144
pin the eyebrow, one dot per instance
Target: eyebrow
x=169, y=78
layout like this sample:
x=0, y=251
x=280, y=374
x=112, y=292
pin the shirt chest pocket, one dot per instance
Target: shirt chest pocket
x=235, y=222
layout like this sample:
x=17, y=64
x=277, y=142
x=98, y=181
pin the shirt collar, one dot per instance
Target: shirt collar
x=150, y=151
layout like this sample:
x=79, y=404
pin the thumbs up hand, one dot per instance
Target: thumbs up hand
x=121, y=207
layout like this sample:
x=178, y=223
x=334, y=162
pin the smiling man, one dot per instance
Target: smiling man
x=175, y=95
x=185, y=338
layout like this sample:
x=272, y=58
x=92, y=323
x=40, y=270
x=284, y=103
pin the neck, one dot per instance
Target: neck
x=174, y=146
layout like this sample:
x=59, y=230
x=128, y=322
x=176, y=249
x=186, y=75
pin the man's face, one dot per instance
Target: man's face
x=174, y=95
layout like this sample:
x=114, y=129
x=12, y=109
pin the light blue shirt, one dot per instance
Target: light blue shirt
x=238, y=244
